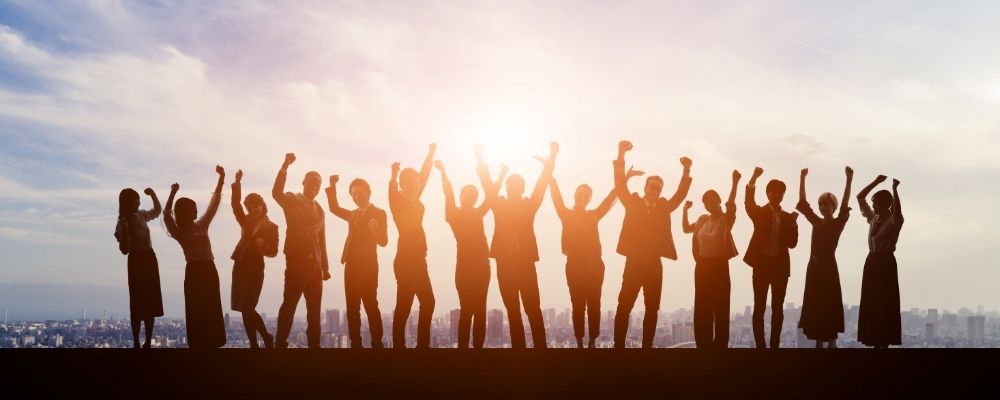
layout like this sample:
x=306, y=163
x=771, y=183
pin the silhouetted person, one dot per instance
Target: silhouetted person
x=713, y=247
x=774, y=232
x=410, y=265
x=202, y=302
x=822, y=304
x=472, y=266
x=258, y=239
x=516, y=251
x=305, y=253
x=879, y=321
x=581, y=243
x=645, y=239
x=145, y=302
x=366, y=230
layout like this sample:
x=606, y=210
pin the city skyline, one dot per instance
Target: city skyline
x=97, y=96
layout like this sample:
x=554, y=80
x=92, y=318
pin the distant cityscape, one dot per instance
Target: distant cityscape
x=930, y=328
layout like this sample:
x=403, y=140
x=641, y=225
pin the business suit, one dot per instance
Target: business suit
x=306, y=260
x=645, y=239
x=360, y=259
x=767, y=254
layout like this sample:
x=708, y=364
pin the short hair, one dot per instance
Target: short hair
x=360, y=183
x=710, y=195
x=185, y=205
x=828, y=197
x=655, y=178
x=775, y=184
x=314, y=174
x=125, y=196
x=256, y=197
x=882, y=197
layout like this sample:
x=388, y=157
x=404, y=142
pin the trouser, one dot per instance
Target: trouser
x=519, y=284
x=645, y=273
x=412, y=281
x=302, y=279
x=711, y=303
x=585, y=276
x=762, y=280
x=361, y=287
x=472, y=279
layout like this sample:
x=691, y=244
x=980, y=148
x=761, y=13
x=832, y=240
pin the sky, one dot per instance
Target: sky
x=100, y=95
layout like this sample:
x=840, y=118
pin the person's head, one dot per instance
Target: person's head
x=515, y=186
x=654, y=187
x=360, y=191
x=468, y=196
x=582, y=196
x=185, y=211
x=775, y=192
x=128, y=201
x=311, y=184
x=409, y=182
x=255, y=205
x=712, y=202
x=827, y=204
x=882, y=202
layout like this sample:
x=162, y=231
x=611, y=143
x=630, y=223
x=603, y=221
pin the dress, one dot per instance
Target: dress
x=879, y=321
x=822, y=303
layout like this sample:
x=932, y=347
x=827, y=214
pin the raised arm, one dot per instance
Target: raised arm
x=425, y=169
x=168, y=213
x=606, y=204
x=685, y=222
x=213, y=204
x=897, y=212
x=278, y=191
x=621, y=176
x=545, y=178
x=449, y=193
x=394, y=195
x=750, y=201
x=866, y=209
x=237, y=195
x=492, y=192
x=845, y=203
x=155, y=212
x=802, y=186
x=682, y=187
x=331, y=198
x=557, y=199
x=731, y=200
x=803, y=205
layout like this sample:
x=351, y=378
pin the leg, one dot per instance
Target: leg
x=481, y=289
x=721, y=296
x=314, y=299
x=594, y=303
x=465, y=313
x=760, y=284
x=702, y=302
x=425, y=294
x=292, y=293
x=652, y=289
x=626, y=300
x=369, y=297
x=577, y=298
x=532, y=304
x=352, y=295
x=778, y=286
x=405, y=288
x=250, y=326
x=149, y=332
x=136, y=327
x=507, y=280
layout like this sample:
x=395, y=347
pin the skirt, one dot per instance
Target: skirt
x=248, y=280
x=203, y=305
x=879, y=321
x=144, y=298
x=822, y=303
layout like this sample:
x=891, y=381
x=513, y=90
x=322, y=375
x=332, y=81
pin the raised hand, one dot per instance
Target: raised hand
x=880, y=179
x=757, y=172
x=478, y=148
x=239, y=175
x=737, y=175
x=395, y=168
x=334, y=179
x=504, y=168
x=895, y=183
x=849, y=171
x=687, y=205
x=686, y=162
x=805, y=171
x=632, y=172
x=624, y=146
x=289, y=159
x=439, y=165
x=174, y=188
x=432, y=147
x=553, y=147
x=219, y=170
x=148, y=192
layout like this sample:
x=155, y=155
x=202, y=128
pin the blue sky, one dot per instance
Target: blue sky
x=100, y=95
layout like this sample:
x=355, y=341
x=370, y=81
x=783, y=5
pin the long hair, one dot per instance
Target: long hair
x=125, y=199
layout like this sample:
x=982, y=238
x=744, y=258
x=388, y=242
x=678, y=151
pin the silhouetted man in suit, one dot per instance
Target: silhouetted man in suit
x=645, y=239
x=410, y=265
x=366, y=229
x=516, y=251
x=305, y=253
x=774, y=232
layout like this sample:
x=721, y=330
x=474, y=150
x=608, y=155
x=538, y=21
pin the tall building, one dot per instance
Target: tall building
x=453, y=320
x=930, y=333
x=333, y=321
x=494, y=327
x=977, y=329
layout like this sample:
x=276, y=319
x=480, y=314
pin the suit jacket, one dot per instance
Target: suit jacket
x=763, y=224
x=361, y=244
x=265, y=230
x=514, y=231
x=305, y=236
x=646, y=233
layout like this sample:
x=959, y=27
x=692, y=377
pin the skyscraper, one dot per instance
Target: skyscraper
x=453, y=325
x=494, y=327
x=333, y=322
x=977, y=329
